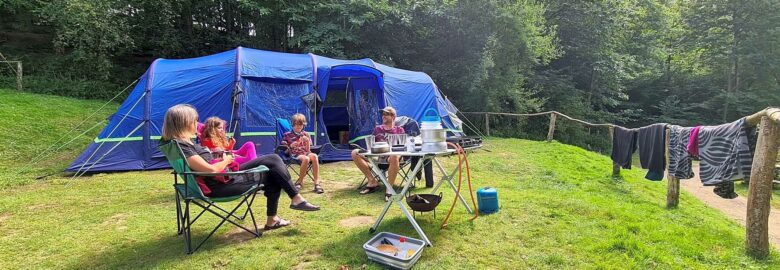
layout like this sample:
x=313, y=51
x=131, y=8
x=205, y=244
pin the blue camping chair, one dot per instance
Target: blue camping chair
x=283, y=126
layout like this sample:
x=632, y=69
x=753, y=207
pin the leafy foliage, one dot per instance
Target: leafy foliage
x=630, y=62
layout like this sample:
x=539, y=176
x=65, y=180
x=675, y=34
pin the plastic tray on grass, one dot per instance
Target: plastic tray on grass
x=403, y=259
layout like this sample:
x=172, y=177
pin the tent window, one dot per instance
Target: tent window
x=266, y=101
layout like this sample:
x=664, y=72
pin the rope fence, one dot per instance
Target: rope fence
x=761, y=177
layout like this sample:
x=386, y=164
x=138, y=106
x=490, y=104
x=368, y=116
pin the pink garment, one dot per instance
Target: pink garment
x=245, y=153
x=200, y=128
x=693, y=142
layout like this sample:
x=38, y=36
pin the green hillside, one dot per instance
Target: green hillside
x=32, y=124
x=561, y=209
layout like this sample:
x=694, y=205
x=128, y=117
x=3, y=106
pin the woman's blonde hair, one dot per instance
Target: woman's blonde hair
x=211, y=132
x=298, y=119
x=180, y=122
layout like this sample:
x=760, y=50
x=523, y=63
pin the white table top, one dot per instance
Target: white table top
x=409, y=154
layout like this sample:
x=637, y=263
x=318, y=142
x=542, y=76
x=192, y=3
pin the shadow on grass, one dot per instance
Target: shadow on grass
x=169, y=247
x=139, y=255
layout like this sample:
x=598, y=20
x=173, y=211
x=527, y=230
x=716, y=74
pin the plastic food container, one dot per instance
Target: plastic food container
x=408, y=252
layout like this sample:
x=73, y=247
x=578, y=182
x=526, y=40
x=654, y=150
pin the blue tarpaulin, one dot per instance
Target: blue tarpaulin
x=252, y=88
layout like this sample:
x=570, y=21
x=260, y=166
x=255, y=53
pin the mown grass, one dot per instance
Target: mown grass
x=742, y=189
x=31, y=123
x=560, y=208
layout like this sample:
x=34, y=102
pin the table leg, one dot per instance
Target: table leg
x=414, y=224
x=448, y=178
x=444, y=175
x=383, y=178
x=398, y=199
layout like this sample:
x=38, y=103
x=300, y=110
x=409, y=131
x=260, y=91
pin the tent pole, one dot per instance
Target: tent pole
x=316, y=125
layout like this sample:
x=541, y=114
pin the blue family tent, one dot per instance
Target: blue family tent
x=250, y=89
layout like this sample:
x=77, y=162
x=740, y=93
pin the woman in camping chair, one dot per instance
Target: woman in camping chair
x=180, y=125
x=299, y=144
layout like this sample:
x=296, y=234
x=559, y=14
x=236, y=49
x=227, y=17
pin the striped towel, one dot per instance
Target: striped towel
x=724, y=153
x=679, y=159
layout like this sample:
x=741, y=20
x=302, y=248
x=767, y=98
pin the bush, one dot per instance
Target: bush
x=83, y=89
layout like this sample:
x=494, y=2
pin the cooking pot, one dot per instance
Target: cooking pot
x=433, y=135
x=380, y=147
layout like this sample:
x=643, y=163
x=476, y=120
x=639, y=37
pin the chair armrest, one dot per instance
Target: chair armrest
x=281, y=148
x=316, y=149
x=355, y=146
x=257, y=169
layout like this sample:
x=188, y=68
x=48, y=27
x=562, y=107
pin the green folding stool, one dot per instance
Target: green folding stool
x=188, y=193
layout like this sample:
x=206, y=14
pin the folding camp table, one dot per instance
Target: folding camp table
x=398, y=198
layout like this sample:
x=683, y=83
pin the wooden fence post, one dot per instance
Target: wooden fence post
x=487, y=124
x=761, y=176
x=615, y=166
x=673, y=187
x=19, y=76
x=551, y=130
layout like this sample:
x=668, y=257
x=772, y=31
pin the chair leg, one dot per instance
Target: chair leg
x=187, y=232
x=252, y=215
x=363, y=183
x=310, y=172
x=228, y=213
x=224, y=219
x=178, y=214
x=201, y=213
x=248, y=205
x=290, y=167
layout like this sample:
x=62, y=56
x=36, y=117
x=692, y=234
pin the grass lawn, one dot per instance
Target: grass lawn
x=742, y=189
x=32, y=123
x=560, y=209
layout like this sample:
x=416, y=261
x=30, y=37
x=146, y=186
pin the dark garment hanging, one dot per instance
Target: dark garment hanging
x=679, y=159
x=725, y=190
x=652, y=150
x=623, y=146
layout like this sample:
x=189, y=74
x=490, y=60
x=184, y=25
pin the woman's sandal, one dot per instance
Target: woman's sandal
x=369, y=190
x=304, y=206
x=278, y=224
x=318, y=189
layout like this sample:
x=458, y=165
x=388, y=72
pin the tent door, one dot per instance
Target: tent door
x=363, y=109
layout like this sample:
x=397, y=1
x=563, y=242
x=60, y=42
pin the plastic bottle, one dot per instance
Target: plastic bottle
x=410, y=144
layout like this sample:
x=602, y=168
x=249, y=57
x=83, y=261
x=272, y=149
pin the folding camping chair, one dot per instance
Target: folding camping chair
x=189, y=192
x=403, y=171
x=283, y=126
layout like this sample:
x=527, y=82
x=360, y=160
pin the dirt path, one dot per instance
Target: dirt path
x=735, y=208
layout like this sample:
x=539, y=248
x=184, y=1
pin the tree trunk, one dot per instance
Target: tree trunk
x=673, y=187
x=760, y=193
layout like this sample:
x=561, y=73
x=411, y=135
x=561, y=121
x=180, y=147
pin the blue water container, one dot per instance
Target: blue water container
x=487, y=199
